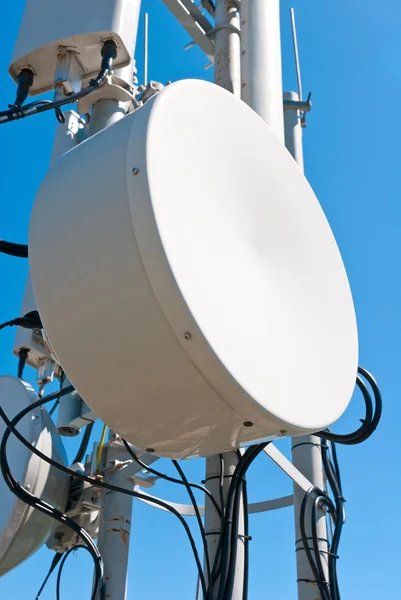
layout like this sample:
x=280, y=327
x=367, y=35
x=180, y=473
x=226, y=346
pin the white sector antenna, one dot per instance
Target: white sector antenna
x=198, y=300
x=24, y=529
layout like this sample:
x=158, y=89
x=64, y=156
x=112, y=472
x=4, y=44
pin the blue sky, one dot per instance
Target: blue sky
x=350, y=56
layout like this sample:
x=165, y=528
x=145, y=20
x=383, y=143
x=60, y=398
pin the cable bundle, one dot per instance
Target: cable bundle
x=220, y=576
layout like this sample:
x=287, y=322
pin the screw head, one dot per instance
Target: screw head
x=135, y=171
x=283, y=432
x=187, y=335
x=247, y=424
x=150, y=450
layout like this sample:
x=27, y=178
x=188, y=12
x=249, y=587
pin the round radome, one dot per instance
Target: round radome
x=198, y=284
x=23, y=529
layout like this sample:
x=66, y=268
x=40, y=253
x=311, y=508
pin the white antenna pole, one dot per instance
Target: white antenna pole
x=115, y=517
x=296, y=55
x=306, y=450
x=107, y=111
x=114, y=535
x=262, y=86
x=145, y=48
x=227, y=74
x=227, y=49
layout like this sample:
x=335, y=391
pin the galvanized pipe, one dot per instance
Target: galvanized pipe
x=227, y=53
x=262, y=86
x=306, y=450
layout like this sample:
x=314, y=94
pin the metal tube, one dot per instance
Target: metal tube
x=308, y=459
x=306, y=450
x=293, y=130
x=113, y=542
x=296, y=55
x=104, y=113
x=115, y=517
x=213, y=521
x=262, y=85
x=227, y=52
x=227, y=74
x=145, y=49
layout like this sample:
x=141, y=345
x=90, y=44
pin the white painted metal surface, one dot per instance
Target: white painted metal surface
x=285, y=465
x=209, y=302
x=79, y=26
x=262, y=86
x=306, y=450
x=22, y=528
x=194, y=22
x=227, y=47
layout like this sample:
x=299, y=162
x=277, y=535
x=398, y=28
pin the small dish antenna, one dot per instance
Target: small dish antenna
x=22, y=528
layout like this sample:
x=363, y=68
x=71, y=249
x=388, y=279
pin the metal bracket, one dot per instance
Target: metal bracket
x=187, y=510
x=287, y=466
x=194, y=22
x=303, y=106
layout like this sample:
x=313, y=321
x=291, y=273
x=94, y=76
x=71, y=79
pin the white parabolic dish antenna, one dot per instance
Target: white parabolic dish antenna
x=197, y=297
x=24, y=529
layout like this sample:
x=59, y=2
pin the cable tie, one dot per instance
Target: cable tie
x=310, y=537
x=308, y=444
x=216, y=477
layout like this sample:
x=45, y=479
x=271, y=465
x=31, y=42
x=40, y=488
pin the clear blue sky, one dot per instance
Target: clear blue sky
x=350, y=52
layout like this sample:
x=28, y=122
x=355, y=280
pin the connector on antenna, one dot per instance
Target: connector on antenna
x=109, y=53
x=24, y=81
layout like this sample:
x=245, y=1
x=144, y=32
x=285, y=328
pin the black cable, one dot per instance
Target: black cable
x=333, y=449
x=56, y=559
x=11, y=428
x=84, y=444
x=22, y=356
x=28, y=498
x=246, y=540
x=29, y=321
x=65, y=556
x=57, y=402
x=171, y=479
x=229, y=532
x=24, y=81
x=221, y=483
x=108, y=52
x=338, y=522
x=316, y=505
x=199, y=519
x=322, y=499
x=13, y=249
x=372, y=418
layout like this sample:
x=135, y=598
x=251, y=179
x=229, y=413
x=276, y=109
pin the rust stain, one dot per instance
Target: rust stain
x=117, y=519
x=124, y=534
x=125, y=537
x=113, y=529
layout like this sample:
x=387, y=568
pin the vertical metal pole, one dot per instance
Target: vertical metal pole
x=104, y=113
x=227, y=74
x=212, y=519
x=261, y=61
x=107, y=111
x=113, y=539
x=293, y=130
x=227, y=52
x=306, y=450
x=145, y=49
x=115, y=517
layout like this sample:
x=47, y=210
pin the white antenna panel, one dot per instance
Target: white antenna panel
x=22, y=528
x=198, y=300
x=76, y=25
